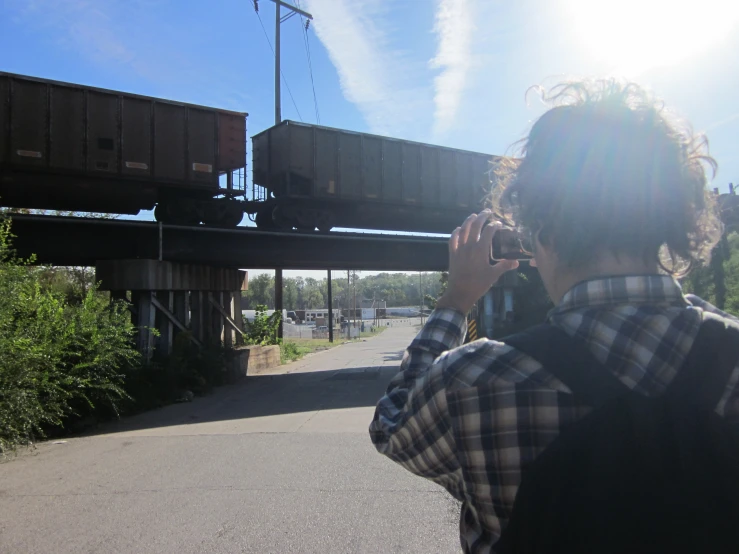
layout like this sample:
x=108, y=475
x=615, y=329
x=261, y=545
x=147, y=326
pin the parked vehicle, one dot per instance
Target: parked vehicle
x=78, y=148
x=309, y=176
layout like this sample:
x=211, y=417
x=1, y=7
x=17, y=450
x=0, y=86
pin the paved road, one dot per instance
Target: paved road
x=278, y=463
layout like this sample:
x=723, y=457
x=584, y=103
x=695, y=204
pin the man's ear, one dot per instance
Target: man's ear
x=543, y=243
x=543, y=238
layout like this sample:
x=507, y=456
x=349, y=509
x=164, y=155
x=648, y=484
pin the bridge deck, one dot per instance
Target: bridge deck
x=83, y=241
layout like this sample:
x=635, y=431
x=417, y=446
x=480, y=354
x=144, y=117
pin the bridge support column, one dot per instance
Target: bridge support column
x=143, y=311
x=278, y=300
x=181, y=301
x=236, y=310
x=164, y=324
x=175, y=298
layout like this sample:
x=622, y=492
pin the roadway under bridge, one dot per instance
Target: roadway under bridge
x=84, y=242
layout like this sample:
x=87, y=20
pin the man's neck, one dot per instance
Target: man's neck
x=606, y=266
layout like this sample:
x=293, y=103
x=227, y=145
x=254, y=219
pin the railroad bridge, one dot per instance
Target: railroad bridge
x=187, y=278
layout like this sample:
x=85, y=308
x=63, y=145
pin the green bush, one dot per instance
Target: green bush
x=263, y=330
x=290, y=351
x=58, y=361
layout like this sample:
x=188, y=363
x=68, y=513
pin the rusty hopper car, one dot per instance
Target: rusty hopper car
x=77, y=148
x=312, y=176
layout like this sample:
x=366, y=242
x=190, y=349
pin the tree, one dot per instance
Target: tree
x=731, y=267
x=432, y=297
x=313, y=299
x=397, y=289
x=261, y=292
x=290, y=294
x=73, y=282
x=58, y=213
x=718, y=283
x=300, y=284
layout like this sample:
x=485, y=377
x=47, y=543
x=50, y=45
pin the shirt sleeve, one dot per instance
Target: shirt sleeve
x=411, y=425
x=708, y=307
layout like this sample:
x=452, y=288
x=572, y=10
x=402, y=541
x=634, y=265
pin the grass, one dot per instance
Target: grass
x=377, y=331
x=291, y=350
x=294, y=349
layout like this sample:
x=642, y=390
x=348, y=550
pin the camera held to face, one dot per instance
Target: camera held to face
x=509, y=244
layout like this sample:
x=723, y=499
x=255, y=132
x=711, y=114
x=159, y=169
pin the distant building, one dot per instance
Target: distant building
x=407, y=311
x=249, y=315
x=370, y=303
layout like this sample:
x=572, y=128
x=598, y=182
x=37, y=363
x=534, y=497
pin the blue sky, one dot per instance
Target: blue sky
x=450, y=72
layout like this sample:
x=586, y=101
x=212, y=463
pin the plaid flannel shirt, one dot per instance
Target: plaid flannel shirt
x=469, y=417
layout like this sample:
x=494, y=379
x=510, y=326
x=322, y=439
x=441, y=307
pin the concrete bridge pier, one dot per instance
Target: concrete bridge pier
x=201, y=301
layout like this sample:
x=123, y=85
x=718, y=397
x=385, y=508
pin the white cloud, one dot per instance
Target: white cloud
x=373, y=76
x=454, y=28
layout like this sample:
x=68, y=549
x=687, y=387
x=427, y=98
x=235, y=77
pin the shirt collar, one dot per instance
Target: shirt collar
x=626, y=289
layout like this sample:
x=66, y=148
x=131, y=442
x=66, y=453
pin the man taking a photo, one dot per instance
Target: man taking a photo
x=612, y=427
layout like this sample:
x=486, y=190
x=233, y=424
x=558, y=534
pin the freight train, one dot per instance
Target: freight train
x=77, y=148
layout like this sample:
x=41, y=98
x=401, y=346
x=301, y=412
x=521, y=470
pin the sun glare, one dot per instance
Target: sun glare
x=635, y=35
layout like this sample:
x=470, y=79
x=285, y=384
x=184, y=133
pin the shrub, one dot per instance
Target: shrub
x=291, y=351
x=58, y=361
x=263, y=330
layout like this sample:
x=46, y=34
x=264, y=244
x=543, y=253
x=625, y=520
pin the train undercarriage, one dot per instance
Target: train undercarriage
x=215, y=212
x=308, y=214
x=304, y=217
x=75, y=194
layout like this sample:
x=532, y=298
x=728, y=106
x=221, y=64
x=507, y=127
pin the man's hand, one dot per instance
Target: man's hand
x=470, y=272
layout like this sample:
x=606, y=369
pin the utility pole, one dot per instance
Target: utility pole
x=355, y=300
x=292, y=10
x=420, y=293
x=278, y=92
x=278, y=115
x=348, y=306
x=278, y=300
x=330, y=310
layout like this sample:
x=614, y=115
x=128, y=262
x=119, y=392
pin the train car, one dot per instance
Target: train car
x=308, y=177
x=77, y=148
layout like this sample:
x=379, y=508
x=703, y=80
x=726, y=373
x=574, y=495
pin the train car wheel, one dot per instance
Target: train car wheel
x=325, y=221
x=310, y=218
x=160, y=213
x=222, y=213
x=176, y=213
x=264, y=218
x=233, y=216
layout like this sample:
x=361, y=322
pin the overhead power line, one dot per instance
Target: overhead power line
x=304, y=25
x=256, y=10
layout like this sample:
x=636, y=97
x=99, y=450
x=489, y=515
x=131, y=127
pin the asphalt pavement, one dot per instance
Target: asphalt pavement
x=280, y=462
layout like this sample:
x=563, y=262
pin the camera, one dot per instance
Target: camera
x=509, y=244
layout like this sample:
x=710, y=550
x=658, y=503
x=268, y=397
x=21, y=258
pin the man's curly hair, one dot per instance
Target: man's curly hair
x=608, y=168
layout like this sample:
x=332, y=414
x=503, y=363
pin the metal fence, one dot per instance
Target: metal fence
x=403, y=322
x=291, y=331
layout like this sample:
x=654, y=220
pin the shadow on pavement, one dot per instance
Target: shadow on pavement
x=268, y=395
